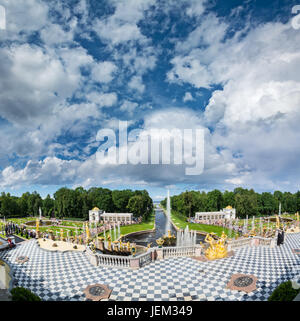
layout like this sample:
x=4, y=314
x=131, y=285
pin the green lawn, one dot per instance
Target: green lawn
x=180, y=221
x=146, y=225
x=46, y=228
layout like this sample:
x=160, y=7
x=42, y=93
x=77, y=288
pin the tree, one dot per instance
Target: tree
x=214, y=200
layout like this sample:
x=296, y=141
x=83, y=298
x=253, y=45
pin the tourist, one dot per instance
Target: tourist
x=282, y=236
x=279, y=237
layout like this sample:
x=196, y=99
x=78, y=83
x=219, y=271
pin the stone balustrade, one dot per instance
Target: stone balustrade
x=251, y=241
x=180, y=251
x=141, y=260
x=113, y=260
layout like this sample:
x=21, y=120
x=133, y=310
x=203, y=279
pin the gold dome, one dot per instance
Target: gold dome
x=95, y=209
x=229, y=207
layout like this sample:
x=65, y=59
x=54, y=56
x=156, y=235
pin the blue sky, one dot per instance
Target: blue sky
x=69, y=68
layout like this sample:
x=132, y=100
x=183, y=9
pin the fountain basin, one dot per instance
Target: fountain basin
x=3, y=244
x=42, y=223
x=282, y=219
x=6, y=279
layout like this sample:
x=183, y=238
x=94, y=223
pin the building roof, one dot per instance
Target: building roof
x=115, y=214
x=229, y=207
x=95, y=209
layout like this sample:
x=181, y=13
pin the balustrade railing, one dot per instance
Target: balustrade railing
x=249, y=241
x=239, y=243
x=113, y=260
x=145, y=259
x=179, y=251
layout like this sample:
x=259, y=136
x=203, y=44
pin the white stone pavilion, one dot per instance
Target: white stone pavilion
x=96, y=215
x=226, y=213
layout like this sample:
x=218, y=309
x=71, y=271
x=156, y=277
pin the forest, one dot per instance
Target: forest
x=76, y=203
x=246, y=202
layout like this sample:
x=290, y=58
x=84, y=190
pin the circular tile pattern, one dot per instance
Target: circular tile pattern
x=243, y=281
x=96, y=290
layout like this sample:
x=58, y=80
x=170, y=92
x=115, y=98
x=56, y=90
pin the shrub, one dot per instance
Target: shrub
x=22, y=294
x=284, y=292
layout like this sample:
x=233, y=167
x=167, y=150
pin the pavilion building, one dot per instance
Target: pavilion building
x=226, y=213
x=96, y=215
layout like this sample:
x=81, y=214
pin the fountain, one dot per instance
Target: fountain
x=115, y=232
x=260, y=226
x=168, y=214
x=119, y=231
x=186, y=237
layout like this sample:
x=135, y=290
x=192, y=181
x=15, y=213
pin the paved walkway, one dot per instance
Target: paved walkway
x=64, y=276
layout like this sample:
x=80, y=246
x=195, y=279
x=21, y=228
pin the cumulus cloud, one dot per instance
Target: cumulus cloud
x=254, y=116
x=103, y=99
x=122, y=26
x=56, y=87
x=136, y=83
x=187, y=97
x=103, y=72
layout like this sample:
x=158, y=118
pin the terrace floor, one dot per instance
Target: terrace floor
x=64, y=276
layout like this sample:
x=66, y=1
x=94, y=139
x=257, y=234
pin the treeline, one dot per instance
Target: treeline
x=76, y=203
x=246, y=202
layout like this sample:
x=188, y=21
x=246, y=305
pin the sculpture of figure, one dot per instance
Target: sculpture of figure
x=221, y=250
x=109, y=242
x=210, y=253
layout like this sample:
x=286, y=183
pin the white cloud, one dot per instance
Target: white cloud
x=128, y=106
x=122, y=25
x=187, y=97
x=103, y=99
x=103, y=72
x=255, y=114
x=136, y=83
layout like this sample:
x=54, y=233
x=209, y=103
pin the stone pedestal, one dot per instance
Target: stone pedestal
x=134, y=264
x=153, y=255
x=273, y=243
x=160, y=254
x=198, y=251
x=254, y=242
x=101, y=245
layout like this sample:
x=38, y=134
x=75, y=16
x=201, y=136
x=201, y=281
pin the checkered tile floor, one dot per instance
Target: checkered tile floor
x=64, y=276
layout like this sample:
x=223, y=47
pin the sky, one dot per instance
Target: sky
x=71, y=68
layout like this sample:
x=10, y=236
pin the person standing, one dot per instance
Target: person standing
x=282, y=237
x=279, y=237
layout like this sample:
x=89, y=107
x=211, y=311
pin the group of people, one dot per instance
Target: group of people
x=12, y=228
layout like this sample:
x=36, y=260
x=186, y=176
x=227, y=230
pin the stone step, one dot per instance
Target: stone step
x=5, y=295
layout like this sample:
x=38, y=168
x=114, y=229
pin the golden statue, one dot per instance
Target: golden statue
x=277, y=222
x=109, y=242
x=133, y=249
x=217, y=249
x=115, y=245
x=61, y=234
x=37, y=224
x=87, y=231
x=160, y=242
x=210, y=253
x=148, y=246
x=221, y=249
x=128, y=246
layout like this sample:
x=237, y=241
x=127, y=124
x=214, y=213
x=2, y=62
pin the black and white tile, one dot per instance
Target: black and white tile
x=64, y=276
